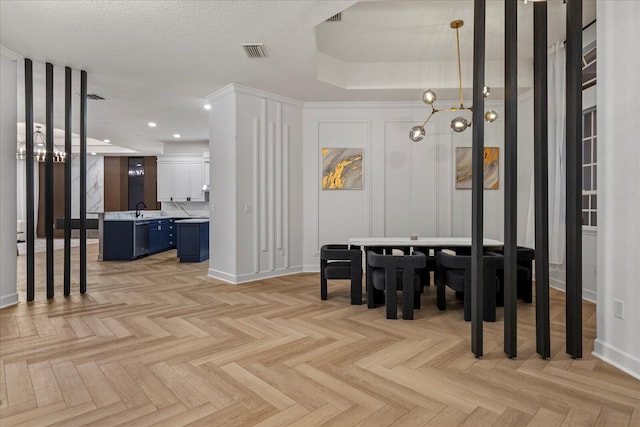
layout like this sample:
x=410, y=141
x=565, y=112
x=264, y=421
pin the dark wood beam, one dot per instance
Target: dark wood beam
x=30, y=181
x=477, y=183
x=67, y=181
x=48, y=183
x=574, y=179
x=541, y=179
x=83, y=182
x=510, y=177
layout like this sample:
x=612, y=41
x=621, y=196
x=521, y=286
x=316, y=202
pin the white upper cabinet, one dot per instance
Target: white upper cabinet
x=180, y=179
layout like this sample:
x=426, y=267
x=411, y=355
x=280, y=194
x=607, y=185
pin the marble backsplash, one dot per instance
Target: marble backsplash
x=185, y=209
x=95, y=185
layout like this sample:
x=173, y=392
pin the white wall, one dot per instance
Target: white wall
x=222, y=225
x=8, y=142
x=618, y=339
x=256, y=190
x=408, y=187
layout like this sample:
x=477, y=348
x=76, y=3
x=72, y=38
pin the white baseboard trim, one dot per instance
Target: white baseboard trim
x=8, y=300
x=587, y=295
x=251, y=277
x=616, y=357
x=312, y=268
x=590, y=296
x=557, y=284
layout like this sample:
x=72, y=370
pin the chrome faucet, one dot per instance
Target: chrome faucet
x=138, y=213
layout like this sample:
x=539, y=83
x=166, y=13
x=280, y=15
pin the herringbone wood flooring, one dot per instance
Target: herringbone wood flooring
x=155, y=342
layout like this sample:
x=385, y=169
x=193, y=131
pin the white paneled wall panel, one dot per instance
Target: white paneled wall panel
x=342, y=213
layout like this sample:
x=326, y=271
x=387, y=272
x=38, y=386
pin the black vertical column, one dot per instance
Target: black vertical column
x=574, y=181
x=48, y=179
x=477, y=183
x=28, y=132
x=67, y=181
x=510, y=176
x=541, y=180
x=83, y=182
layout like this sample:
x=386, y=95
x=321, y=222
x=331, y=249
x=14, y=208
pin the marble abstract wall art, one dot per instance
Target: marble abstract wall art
x=342, y=169
x=491, y=168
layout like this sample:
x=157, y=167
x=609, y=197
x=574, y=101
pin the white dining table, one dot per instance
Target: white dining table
x=430, y=242
x=374, y=296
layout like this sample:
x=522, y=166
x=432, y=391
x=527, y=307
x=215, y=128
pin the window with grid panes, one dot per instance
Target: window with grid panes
x=589, y=169
x=589, y=61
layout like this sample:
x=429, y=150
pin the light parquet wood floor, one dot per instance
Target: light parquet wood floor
x=155, y=342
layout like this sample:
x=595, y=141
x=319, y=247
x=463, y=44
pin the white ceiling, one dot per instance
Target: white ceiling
x=158, y=60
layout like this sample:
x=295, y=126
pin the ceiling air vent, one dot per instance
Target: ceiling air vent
x=255, y=50
x=335, y=18
x=95, y=97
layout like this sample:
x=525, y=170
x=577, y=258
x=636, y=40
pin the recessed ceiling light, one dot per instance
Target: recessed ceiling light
x=176, y=135
x=207, y=106
x=152, y=124
x=107, y=140
x=93, y=154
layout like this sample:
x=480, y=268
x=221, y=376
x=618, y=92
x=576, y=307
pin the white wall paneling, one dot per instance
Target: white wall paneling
x=271, y=202
x=256, y=195
x=263, y=176
x=278, y=178
x=267, y=144
x=343, y=213
x=409, y=187
x=411, y=184
x=285, y=195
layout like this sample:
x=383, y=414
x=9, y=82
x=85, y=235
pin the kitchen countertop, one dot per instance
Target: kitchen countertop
x=155, y=218
x=192, y=221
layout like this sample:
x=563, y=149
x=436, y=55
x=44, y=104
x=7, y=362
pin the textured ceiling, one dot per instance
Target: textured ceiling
x=158, y=60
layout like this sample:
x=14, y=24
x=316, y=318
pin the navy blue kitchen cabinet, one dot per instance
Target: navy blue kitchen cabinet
x=125, y=240
x=130, y=239
x=193, y=240
x=161, y=235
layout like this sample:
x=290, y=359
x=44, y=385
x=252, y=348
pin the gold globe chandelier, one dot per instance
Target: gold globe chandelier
x=458, y=124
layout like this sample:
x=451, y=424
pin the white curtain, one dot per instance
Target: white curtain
x=557, y=149
x=21, y=205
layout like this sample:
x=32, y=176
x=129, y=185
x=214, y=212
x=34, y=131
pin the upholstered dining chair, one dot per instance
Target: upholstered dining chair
x=454, y=271
x=341, y=262
x=525, y=257
x=391, y=273
x=375, y=297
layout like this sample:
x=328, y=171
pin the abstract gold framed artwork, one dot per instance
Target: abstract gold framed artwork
x=342, y=169
x=491, y=168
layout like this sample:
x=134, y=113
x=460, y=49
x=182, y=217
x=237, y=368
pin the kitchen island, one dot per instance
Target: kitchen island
x=193, y=239
x=123, y=236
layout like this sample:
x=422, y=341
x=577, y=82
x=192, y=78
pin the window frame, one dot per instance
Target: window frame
x=592, y=192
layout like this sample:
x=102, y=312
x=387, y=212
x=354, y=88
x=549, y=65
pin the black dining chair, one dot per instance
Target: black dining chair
x=344, y=263
x=391, y=273
x=524, y=260
x=375, y=297
x=454, y=271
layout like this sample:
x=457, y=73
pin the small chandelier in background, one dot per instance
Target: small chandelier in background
x=458, y=124
x=40, y=149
